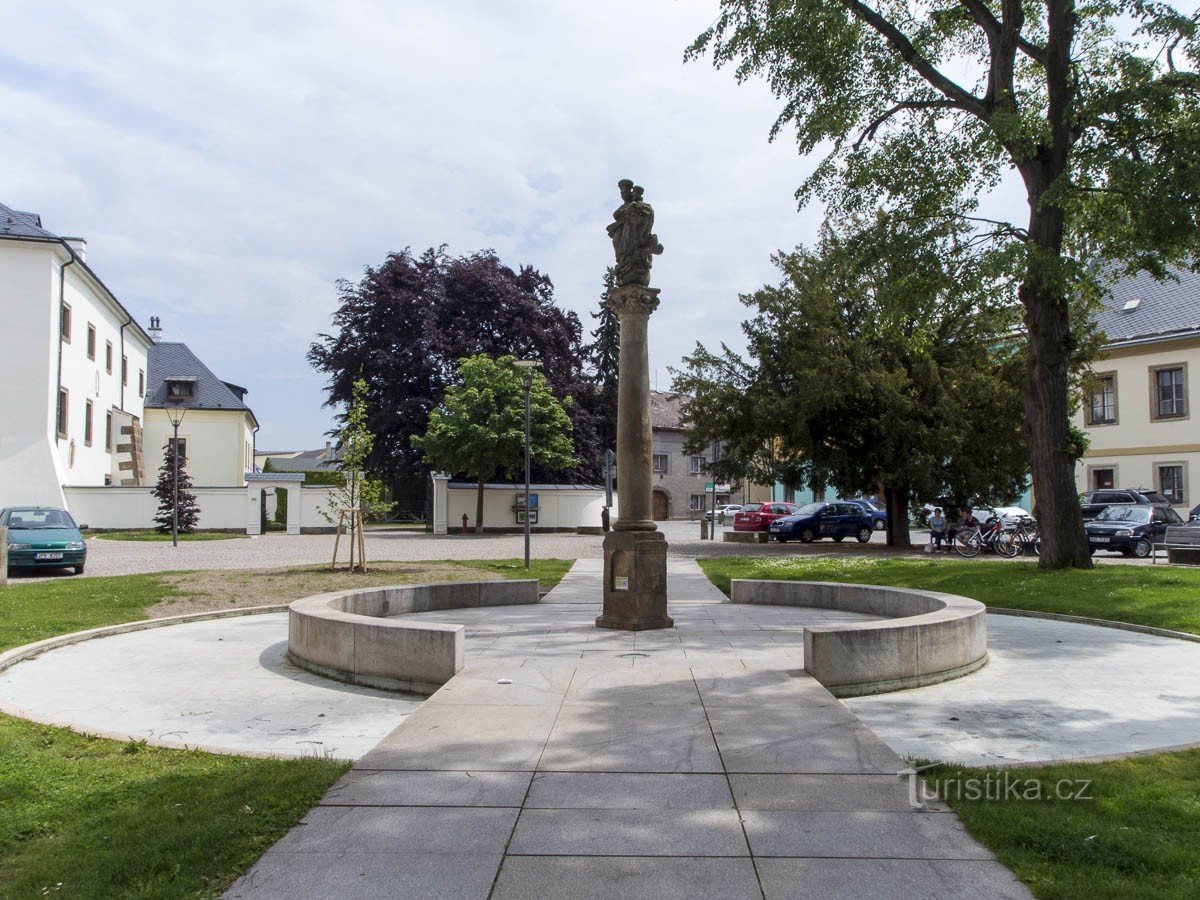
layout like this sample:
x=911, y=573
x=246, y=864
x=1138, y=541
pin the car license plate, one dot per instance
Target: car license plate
x=48, y=556
x=1099, y=540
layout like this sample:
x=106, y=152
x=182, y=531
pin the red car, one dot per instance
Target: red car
x=759, y=516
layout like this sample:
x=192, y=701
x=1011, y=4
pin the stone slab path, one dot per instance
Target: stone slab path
x=567, y=761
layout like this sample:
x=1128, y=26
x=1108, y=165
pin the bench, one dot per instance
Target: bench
x=1183, y=545
x=927, y=636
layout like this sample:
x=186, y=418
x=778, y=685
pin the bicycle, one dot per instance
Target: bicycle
x=1026, y=536
x=970, y=542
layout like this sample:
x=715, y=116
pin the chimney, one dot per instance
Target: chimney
x=155, y=329
x=328, y=450
x=79, y=245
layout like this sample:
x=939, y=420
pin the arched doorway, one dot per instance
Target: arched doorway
x=662, y=506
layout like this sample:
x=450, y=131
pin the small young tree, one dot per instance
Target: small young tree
x=357, y=490
x=164, y=491
x=479, y=430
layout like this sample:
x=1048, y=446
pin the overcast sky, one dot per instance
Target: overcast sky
x=229, y=161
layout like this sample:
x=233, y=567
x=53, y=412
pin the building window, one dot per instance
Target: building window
x=141, y=383
x=1170, y=483
x=180, y=389
x=1102, y=409
x=64, y=398
x=696, y=466
x=183, y=457
x=65, y=322
x=124, y=370
x=660, y=462
x=87, y=423
x=1170, y=398
x=698, y=502
x=108, y=357
x=91, y=341
x=1104, y=479
x=108, y=432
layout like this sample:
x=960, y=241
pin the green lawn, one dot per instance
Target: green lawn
x=1140, y=835
x=149, y=534
x=1163, y=597
x=111, y=819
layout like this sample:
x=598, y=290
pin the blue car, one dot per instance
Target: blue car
x=872, y=508
x=818, y=520
x=43, y=537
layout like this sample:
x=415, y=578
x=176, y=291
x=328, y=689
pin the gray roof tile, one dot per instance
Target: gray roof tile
x=1163, y=307
x=14, y=223
x=174, y=359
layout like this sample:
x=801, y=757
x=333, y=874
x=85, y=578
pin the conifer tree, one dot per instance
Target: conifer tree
x=604, y=354
x=164, y=491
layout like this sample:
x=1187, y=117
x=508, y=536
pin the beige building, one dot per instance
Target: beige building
x=1139, y=408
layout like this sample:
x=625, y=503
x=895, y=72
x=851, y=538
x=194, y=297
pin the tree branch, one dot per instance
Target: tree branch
x=963, y=98
x=868, y=133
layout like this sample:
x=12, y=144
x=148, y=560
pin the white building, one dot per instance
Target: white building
x=216, y=427
x=74, y=375
x=1138, y=410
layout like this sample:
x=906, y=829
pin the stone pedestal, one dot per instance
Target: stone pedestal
x=635, y=581
x=635, y=552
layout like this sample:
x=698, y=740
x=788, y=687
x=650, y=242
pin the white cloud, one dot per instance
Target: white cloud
x=229, y=161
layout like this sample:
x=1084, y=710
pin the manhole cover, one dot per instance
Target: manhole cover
x=633, y=655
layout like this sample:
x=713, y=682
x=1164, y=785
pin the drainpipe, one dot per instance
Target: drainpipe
x=254, y=448
x=122, y=369
x=62, y=298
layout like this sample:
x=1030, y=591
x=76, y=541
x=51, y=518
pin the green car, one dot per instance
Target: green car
x=43, y=537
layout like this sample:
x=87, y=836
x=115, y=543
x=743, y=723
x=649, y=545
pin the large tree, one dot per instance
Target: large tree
x=604, y=357
x=479, y=429
x=405, y=324
x=925, y=108
x=883, y=357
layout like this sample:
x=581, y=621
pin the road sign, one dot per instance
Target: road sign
x=721, y=488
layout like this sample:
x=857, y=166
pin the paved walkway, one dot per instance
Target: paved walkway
x=566, y=761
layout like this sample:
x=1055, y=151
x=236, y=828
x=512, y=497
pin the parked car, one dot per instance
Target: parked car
x=1194, y=515
x=724, y=512
x=759, y=516
x=1092, y=502
x=873, y=508
x=43, y=537
x=1130, y=529
x=1009, y=515
x=817, y=520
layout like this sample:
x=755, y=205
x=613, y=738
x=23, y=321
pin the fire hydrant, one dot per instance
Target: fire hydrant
x=466, y=523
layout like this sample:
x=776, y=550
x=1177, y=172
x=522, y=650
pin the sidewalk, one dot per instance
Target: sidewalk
x=567, y=761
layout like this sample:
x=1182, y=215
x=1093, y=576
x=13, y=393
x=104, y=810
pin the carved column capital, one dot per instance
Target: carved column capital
x=633, y=298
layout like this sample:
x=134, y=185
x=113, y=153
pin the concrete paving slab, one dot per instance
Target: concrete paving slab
x=602, y=878
x=354, y=875
x=887, y=879
x=624, y=790
x=400, y=829
x=365, y=787
x=628, y=832
x=862, y=835
x=828, y=792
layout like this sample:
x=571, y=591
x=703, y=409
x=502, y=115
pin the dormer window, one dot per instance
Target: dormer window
x=181, y=388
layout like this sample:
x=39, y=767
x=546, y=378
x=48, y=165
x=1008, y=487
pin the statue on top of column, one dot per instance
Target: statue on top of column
x=632, y=233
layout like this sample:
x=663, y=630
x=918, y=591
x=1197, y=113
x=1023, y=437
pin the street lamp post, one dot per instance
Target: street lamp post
x=527, y=366
x=175, y=415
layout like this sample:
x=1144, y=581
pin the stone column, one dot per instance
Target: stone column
x=635, y=551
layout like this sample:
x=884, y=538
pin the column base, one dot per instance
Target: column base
x=635, y=581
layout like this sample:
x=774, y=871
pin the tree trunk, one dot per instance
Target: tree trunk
x=1046, y=393
x=896, y=501
x=479, y=507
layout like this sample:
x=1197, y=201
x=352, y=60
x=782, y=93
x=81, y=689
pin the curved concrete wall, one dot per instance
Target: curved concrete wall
x=351, y=635
x=927, y=636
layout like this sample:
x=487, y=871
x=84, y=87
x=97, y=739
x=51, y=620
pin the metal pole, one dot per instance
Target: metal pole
x=3, y=555
x=528, y=385
x=175, y=505
x=712, y=532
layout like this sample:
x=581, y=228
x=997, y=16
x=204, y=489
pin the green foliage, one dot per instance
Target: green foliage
x=1160, y=597
x=165, y=491
x=604, y=354
x=479, y=430
x=884, y=356
x=153, y=535
x=357, y=490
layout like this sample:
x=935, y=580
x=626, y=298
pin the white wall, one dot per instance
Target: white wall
x=220, y=507
x=216, y=444
x=556, y=509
